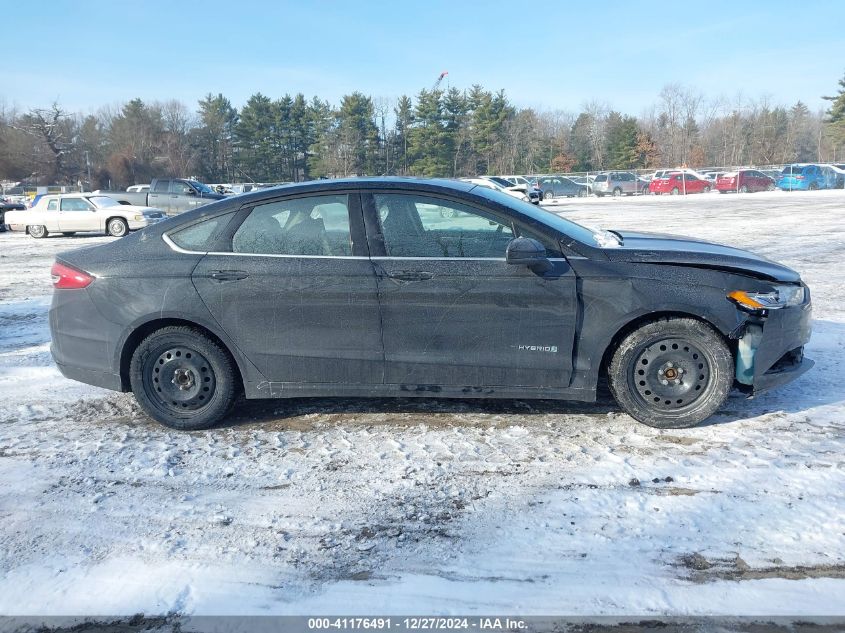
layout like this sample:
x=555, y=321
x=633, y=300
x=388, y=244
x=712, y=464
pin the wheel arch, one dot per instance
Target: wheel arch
x=637, y=321
x=145, y=329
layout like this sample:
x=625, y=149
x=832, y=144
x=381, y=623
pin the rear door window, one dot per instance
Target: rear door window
x=201, y=236
x=75, y=204
x=310, y=226
x=162, y=186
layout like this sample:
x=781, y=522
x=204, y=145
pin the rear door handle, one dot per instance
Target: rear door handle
x=228, y=275
x=410, y=275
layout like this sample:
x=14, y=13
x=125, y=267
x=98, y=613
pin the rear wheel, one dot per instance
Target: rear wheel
x=707, y=189
x=671, y=373
x=183, y=379
x=38, y=231
x=743, y=189
x=771, y=187
x=617, y=192
x=117, y=227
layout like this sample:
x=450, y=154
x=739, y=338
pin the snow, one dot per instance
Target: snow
x=406, y=506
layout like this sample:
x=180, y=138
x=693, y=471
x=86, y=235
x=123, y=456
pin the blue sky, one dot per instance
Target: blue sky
x=551, y=55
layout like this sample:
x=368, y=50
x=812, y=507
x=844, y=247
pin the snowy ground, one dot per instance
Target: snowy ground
x=325, y=506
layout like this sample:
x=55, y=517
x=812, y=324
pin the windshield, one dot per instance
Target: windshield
x=102, y=202
x=201, y=187
x=577, y=232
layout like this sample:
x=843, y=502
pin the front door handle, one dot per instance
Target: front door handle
x=410, y=275
x=228, y=275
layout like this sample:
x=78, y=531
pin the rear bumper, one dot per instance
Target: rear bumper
x=90, y=376
x=83, y=341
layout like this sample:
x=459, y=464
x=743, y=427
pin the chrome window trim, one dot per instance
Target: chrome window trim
x=179, y=249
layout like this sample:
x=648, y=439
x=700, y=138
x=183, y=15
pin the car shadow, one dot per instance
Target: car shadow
x=823, y=385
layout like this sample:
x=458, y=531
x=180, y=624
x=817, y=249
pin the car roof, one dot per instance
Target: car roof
x=375, y=182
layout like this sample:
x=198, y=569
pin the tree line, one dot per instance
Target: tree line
x=447, y=133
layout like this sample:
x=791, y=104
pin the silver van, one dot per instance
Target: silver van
x=618, y=182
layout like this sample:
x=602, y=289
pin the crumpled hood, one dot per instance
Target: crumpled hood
x=672, y=249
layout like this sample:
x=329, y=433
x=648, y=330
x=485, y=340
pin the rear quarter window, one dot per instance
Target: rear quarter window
x=201, y=236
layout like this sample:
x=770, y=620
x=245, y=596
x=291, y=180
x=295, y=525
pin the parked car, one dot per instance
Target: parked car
x=744, y=181
x=618, y=182
x=269, y=295
x=172, y=195
x=556, y=186
x=489, y=184
x=81, y=212
x=804, y=178
x=8, y=206
x=837, y=175
x=530, y=182
x=680, y=183
x=529, y=190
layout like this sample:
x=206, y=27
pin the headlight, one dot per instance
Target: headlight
x=779, y=297
x=139, y=217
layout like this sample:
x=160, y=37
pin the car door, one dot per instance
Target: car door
x=159, y=195
x=453, y=312
x=295, y=290
x=183, y=196
x=77, y=214
x=47, y=214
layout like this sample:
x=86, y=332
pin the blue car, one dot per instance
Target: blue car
x=803, y=178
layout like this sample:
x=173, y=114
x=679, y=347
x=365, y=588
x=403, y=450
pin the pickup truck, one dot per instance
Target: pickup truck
x=171, y=195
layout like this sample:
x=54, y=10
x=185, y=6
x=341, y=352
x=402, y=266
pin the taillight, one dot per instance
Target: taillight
x=800, y=177
x=67, y=278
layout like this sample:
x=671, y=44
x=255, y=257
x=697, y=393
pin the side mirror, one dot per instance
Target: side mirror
x=526, y=251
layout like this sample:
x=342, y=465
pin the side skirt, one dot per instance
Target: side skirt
x=267, y=389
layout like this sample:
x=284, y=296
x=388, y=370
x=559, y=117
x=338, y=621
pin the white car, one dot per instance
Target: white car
x=76, y=212
x=513, y=191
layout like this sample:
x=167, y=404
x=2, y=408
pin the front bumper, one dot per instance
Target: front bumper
x=777, y=348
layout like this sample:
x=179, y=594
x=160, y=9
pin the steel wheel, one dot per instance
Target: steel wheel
x=179, y=379
x=670, y=374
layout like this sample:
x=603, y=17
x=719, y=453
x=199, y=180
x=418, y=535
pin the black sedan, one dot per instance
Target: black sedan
x=557, y=186
x=365, y=287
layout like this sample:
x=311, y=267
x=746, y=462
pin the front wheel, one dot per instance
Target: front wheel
x=671, y=373
x=707, y=189
x=617, y=192
x=743, y=189
x=675, y=191
x=548, y=195
x=183, y=379
x=38, y=231
x=117, y=227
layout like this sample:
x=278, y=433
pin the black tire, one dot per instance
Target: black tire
x=548, y=195
x=38, y=231
x=68, y=233
x=117, y=227
x=183, y=379
x=647, y=362
x=617, y=192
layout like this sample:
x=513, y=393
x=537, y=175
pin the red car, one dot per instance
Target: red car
x=676, y=182
x=743, y=181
